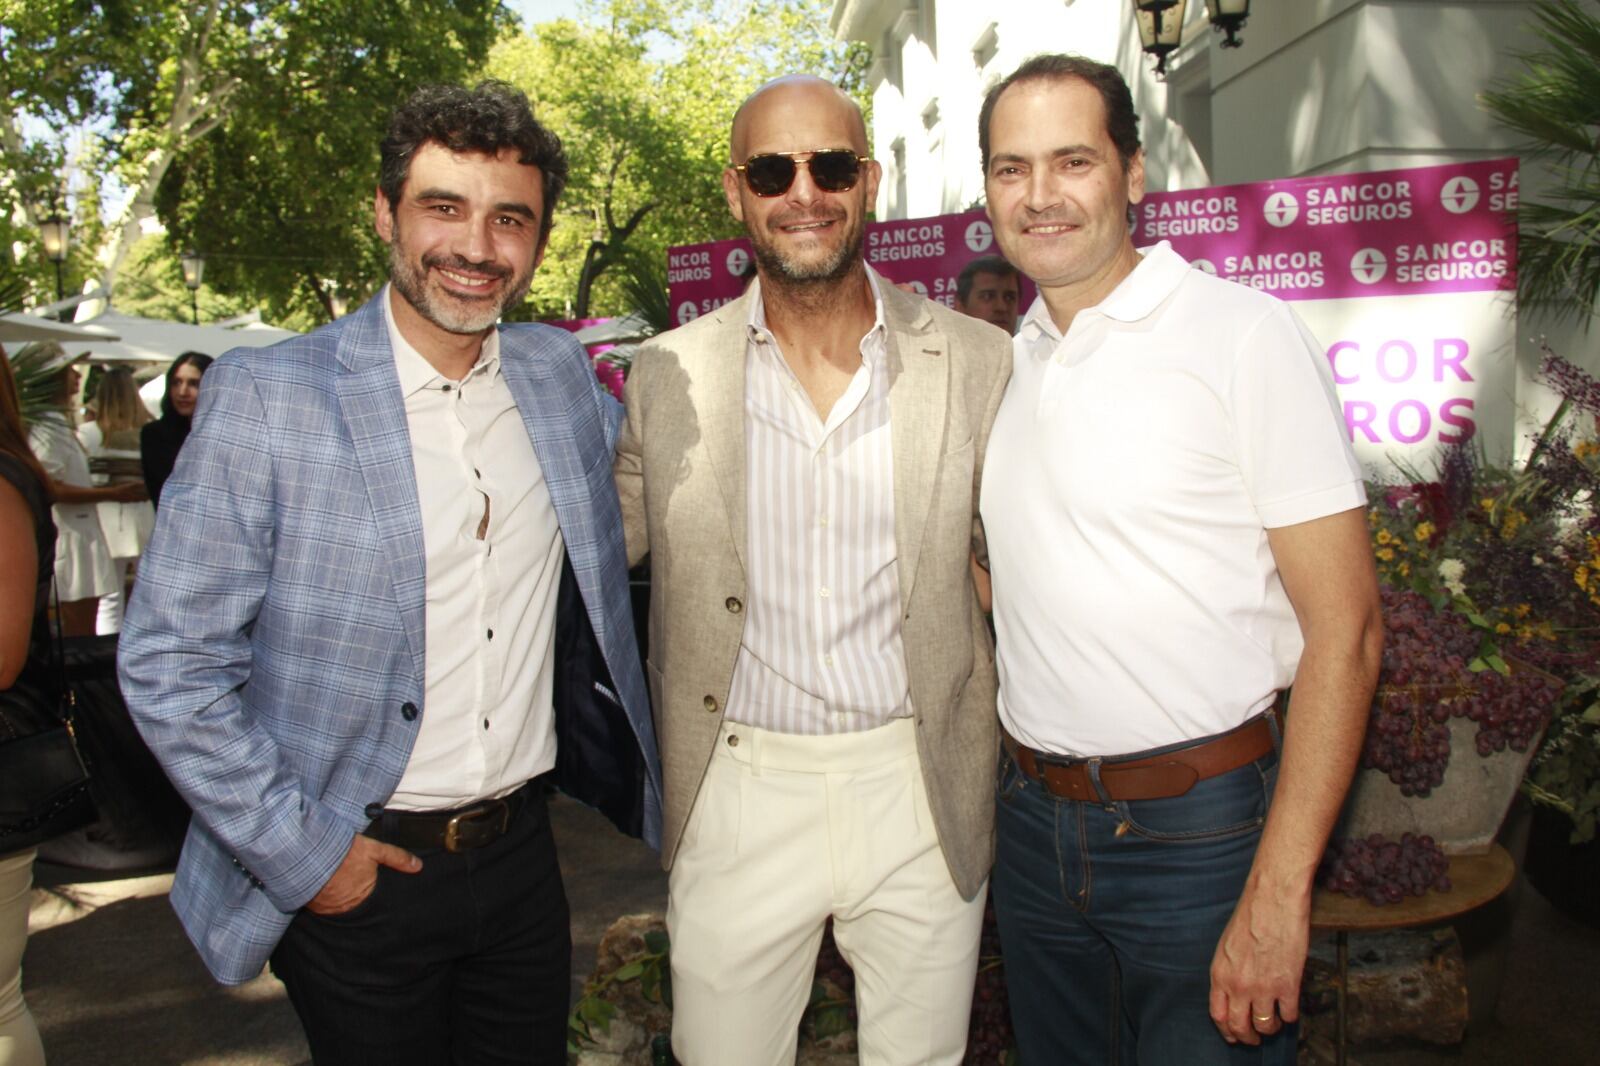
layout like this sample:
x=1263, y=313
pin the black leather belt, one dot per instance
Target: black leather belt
x=461, y=829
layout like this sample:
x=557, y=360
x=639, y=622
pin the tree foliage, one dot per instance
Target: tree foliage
x=253, y=123
x=1555, y=102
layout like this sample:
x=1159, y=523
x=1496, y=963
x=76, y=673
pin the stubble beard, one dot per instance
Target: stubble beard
x=783, y=269
x=409, y=276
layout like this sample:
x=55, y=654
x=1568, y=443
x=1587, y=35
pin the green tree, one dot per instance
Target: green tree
x=271, y=95
x=1555, y=102
x=642, y=93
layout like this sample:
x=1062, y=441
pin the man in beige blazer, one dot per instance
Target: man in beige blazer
x=801, y=466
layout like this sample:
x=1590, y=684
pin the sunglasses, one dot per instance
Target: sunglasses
x=832, y=170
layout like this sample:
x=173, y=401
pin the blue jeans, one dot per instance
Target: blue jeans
x=1110, y=915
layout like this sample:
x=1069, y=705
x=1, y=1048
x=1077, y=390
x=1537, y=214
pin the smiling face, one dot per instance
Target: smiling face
x=805, y=234
x=184, y=389
x=1057, y=192
x=464, y=238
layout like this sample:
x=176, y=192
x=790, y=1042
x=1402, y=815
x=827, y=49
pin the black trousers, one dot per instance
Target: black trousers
x=466, y=963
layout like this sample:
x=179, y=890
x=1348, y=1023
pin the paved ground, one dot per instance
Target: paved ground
x=113, y=980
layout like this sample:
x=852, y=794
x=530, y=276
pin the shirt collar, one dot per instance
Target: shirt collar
x=1147, y=286
x=757, y=325
x=415, y=372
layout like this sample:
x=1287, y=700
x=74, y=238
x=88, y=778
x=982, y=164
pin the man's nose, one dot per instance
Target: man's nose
x=475, y=240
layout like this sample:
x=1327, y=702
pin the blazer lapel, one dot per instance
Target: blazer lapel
x=374, y=412
x=718, y=393
x=918, y=395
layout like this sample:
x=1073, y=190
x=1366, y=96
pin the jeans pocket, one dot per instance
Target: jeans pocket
x=1009, y=780
x=361, y=910
x=1228, y=805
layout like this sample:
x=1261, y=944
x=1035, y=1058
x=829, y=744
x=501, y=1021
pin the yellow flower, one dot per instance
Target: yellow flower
x=1581, y=576
x=1386, y=554
x=1585, y=448
x=1424, y=530
x=1502, y=627
x=1384, y=536
x=1487, y=503
x=1514, y=521
x=1521, y=610
x=1405, y=569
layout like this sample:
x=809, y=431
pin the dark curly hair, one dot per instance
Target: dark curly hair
x=489, y=118
x=1122, y=122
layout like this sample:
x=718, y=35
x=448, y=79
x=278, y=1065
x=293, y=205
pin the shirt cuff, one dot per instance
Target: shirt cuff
x=1313, y=505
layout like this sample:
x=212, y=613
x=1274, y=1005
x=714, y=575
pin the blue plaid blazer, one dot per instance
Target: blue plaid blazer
x=272, y=654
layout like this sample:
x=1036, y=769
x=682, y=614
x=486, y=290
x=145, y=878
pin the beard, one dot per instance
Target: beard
x=452, y=313
x=787, y=268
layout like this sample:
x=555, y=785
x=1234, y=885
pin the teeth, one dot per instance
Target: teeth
x=462, y=279
x=1048, y=229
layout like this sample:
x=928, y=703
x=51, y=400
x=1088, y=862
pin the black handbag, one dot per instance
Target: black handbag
x=44, y=783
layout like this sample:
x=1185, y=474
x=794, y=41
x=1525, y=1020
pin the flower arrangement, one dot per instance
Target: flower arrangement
x=1486, y=565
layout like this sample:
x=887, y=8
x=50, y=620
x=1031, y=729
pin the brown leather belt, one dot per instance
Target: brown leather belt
x=461, y=829
x=1171, y=773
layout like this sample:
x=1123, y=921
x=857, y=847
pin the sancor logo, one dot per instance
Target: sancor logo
x=1459, y=195
x=979, y=236
x=1204, y=264
x=922, y=290
x=1281, y=209
x=687, y=312
x=1368, y=266
x=738, y=261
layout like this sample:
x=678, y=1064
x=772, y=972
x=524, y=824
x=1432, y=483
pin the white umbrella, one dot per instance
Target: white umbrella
x=159, y=341
x=18, y=328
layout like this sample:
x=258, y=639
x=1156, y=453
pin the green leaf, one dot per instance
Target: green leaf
x=629, y=972
x=1478, y=665
x=655, y=942
x=1499, y=665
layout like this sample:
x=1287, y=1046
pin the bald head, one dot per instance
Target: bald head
x=790, y=101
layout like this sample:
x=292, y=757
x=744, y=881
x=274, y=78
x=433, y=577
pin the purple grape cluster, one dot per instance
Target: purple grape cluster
x=1383, y=871
x=1426, y=681
x=989, y=1040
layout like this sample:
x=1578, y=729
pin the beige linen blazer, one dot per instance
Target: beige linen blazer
x=680, y=470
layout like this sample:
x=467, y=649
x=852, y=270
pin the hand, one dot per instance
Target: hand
x=357, y=875
x=1255, y=974
x=129, y=492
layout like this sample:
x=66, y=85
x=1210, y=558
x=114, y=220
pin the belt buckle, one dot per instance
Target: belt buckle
x=471, y=818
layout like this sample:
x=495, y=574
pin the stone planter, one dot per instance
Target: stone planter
x=1462, y=814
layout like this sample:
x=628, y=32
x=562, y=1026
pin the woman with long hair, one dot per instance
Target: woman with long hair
x=83, y=571
x=160, y=440
x=27, y=543
x=112, y=441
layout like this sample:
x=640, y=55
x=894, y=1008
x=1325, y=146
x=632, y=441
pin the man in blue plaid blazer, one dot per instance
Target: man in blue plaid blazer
x=387, y=590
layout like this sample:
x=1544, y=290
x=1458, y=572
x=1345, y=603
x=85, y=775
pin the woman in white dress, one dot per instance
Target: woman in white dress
x=83, y=571
x=112, y=441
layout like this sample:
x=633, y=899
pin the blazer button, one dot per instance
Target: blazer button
x=408, y=710
x=711, y=704
x=733, y=605
x=373, y=810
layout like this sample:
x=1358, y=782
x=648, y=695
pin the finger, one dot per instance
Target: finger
x=1219, y=1012
x=395, y=858
x=1240, y=1026
x=1264, y=1019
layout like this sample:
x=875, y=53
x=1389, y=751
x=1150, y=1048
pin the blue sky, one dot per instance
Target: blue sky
x=536, y=11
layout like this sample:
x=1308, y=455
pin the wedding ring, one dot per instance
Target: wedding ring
x=1261, y=1019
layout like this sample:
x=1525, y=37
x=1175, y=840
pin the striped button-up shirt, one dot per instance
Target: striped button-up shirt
x=822, y=651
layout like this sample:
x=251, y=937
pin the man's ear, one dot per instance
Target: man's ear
x=1136, y=177
x=383, y=216
x=730, y=189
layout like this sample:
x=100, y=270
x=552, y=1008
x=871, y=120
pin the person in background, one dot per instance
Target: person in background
x=160, y=440
x=988, y=288
x=27, y=544
x=83, y=571
x=112, y=441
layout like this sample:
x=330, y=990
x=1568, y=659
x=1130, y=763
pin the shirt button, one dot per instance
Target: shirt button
x=486, y=723
x=827, y=660
x=823, y=592
x=408, y=710
x=733, y=605
x=711, y=704
x=733, y=740
x=491, y=634
x=823, y=521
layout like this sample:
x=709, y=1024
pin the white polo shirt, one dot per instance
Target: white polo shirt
x=1134, y=468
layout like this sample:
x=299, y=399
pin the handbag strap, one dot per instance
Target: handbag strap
x=66, y=699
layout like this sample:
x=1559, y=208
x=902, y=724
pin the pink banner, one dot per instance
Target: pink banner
x=926, y=253
x=1386, y=233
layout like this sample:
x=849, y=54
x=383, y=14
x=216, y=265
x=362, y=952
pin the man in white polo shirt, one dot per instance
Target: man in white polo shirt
x=1175, y=524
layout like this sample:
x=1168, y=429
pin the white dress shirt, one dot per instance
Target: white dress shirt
x=1133, y=471
x=487, y=722
x=822, y=651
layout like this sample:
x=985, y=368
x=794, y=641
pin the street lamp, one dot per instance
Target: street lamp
x=53, y=235
x=194, y=269
x=1160, y=28
x=1228, y=16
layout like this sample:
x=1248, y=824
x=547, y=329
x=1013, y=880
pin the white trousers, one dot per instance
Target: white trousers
x=19, y=1039
x=788, y=830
